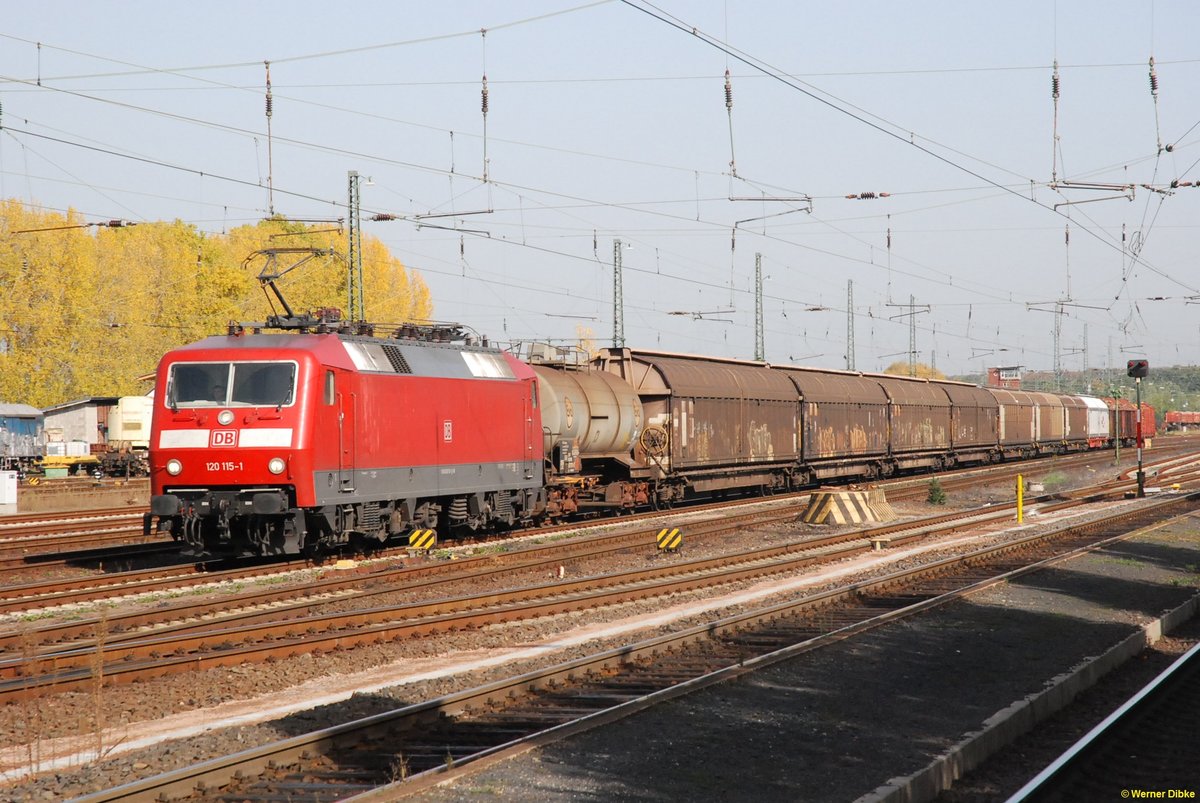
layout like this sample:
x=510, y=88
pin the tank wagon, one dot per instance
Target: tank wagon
x=298, y=442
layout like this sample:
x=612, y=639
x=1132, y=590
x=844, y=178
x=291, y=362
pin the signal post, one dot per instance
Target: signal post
x=1139, y=370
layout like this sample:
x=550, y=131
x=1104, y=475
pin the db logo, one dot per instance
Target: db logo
x=224, y=437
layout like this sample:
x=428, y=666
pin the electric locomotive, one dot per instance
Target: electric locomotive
x=285, y=443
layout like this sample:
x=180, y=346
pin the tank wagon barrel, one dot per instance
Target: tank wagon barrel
x=586, y=413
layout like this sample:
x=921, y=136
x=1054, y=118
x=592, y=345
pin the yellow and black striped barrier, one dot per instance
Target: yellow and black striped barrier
x=423, y=540
x=670, y=539
x=33, y=480
x=843, y=507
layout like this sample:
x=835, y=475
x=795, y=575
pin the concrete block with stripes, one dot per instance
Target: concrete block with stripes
x=837, y=506
x=422, y=540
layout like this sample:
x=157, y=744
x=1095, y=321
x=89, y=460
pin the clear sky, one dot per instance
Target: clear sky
x=608, y=121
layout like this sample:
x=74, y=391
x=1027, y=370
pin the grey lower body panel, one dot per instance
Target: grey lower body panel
x=334, y=487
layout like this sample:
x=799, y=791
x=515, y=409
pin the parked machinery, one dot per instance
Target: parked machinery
x=22, y=437
x=272, y=443
x=126, y=453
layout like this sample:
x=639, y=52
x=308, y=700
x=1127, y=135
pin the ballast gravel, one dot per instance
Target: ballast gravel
x=64, y=714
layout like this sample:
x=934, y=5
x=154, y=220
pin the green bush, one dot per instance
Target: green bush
x=937, y=496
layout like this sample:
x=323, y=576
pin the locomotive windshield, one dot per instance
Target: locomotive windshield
x=232, y=384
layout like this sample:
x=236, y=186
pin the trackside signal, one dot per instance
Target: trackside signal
x=1138, y=369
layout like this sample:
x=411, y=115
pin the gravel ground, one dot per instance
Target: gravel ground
x=121, y=708
x=1012, y=767
x=840, y=722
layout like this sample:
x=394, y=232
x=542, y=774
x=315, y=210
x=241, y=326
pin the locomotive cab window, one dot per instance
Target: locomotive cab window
x=330, y=387
x=238, y=384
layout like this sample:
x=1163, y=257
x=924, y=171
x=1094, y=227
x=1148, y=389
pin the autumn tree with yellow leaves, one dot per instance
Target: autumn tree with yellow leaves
x=922, y=371
x=85, y=311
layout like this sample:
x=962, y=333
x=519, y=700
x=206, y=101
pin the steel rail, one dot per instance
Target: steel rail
x=264, y=636
x=300, y=749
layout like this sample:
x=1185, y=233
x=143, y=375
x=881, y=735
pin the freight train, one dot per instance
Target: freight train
x=303, y=441
x=1181, y=420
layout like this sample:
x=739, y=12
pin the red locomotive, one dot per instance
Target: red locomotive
x=282, y=443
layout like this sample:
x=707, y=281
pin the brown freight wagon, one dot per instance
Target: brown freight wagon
x=844, y=417
x=975, y=427
x=1018, y=413
x=1123, y=415
x=1050, y=425
x=720, y=423
x=919, y=421
x=1075, y=411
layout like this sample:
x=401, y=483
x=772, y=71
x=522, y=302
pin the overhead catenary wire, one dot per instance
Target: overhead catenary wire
x=306, y=56
x=832, y=253
x=601, y=205
x=653, y=11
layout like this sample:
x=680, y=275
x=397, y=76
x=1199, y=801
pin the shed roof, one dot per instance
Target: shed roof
x=19, y=411
x=96, y=401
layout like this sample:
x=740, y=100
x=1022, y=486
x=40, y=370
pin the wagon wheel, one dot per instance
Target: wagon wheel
x=653, y=440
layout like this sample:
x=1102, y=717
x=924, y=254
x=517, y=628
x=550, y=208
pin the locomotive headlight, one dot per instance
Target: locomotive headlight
x=225, y=417
x=276, y=465
x=174, y=467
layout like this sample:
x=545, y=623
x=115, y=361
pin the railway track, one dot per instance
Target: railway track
x=281, y=623
x=56, y=539
x=109, y=584
x=1147, y=745
x=46, y=551
x=31, y=551
x=416, y=746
